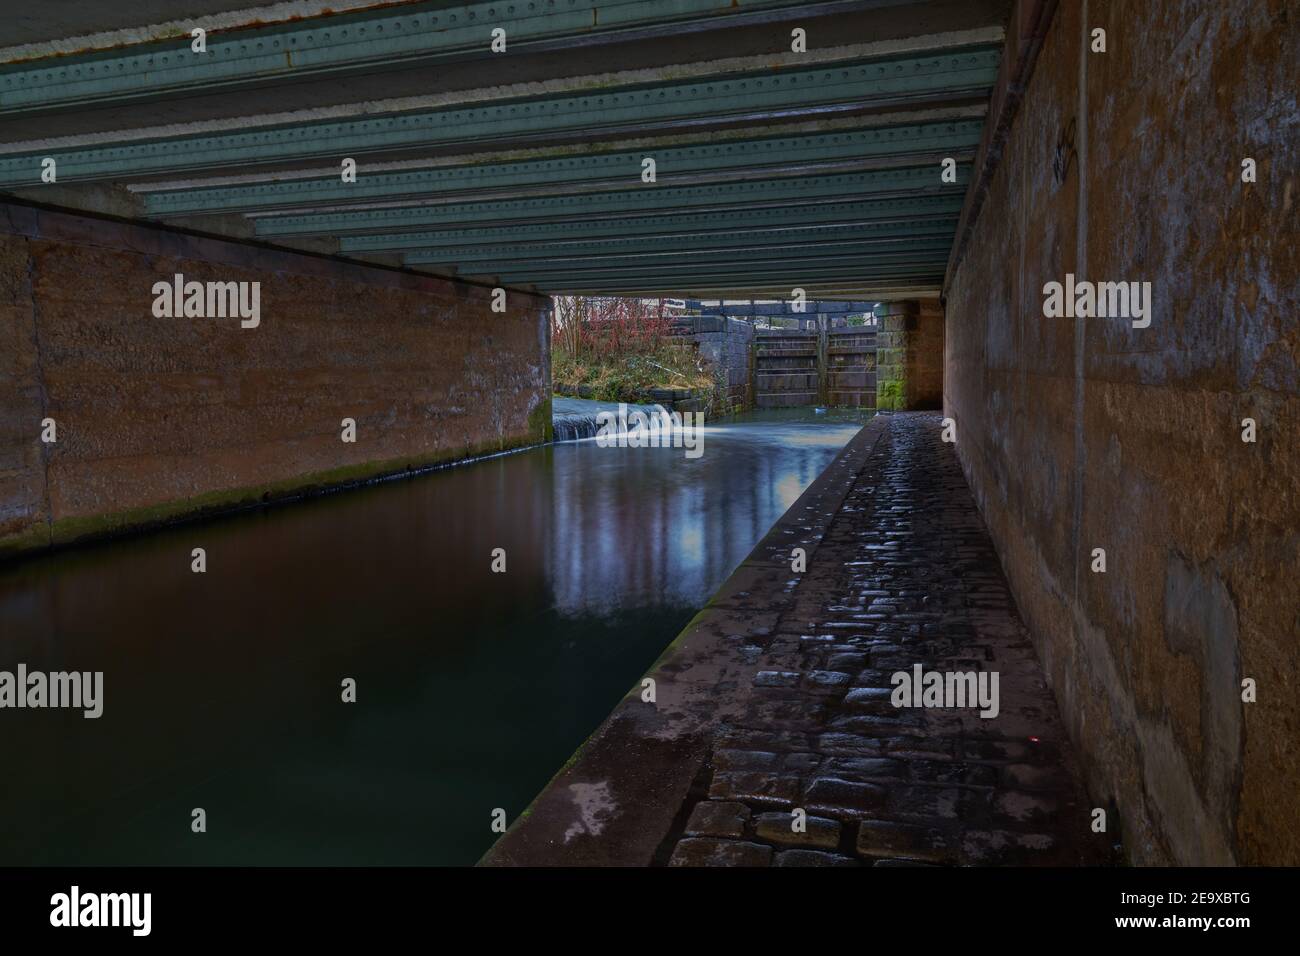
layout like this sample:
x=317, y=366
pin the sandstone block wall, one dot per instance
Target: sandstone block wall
x=163, y=417
x=727, y=345
x=1078, y=434
x=909, y=355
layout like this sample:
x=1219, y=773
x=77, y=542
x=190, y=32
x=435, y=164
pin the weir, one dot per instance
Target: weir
x=575, y=419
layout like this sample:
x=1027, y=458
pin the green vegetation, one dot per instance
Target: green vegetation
x=619, y=349
x=627, y=377
x=890, y=395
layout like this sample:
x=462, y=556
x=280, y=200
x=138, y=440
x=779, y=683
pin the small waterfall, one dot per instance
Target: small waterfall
x=575, y=427
x=576, y=419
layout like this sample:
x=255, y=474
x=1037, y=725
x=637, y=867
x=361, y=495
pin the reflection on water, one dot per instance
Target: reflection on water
x=222, y=690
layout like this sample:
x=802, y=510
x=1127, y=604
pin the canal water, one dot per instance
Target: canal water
x=222, y=690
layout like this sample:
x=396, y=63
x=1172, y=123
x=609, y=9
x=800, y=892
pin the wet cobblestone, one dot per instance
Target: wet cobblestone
x=905, y=575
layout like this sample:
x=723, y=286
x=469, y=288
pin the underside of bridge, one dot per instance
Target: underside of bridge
x=403, y=185
x=611, y=146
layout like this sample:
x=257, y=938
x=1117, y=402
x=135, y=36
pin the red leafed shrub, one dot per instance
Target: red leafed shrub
x=606, y=327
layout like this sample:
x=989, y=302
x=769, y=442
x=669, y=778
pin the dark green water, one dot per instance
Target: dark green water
x=222, y=690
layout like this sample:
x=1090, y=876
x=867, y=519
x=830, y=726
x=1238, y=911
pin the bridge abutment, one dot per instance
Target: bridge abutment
x=157, y=418
x=1149, y=537
x=909, y=356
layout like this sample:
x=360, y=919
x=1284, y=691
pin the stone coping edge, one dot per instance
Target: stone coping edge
x=615, y=800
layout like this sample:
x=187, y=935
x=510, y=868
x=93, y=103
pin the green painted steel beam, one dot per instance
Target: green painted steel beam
x=808, y=268
x=790, y=279
x=881, y=234
x=873, y=288
x=771, y=94
x=340, y=44
x=714, y=288
x=948, y=138
x=798, y=269
x=718, y=275
x=754, y=309
x=737, y=279
x=647, y=198
x=889, y=211
x=863, y=251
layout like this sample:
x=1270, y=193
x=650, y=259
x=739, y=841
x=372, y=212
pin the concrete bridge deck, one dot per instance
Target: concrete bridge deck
x=777, y=697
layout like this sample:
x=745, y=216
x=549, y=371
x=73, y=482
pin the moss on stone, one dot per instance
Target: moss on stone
x=541, y=421
x=31, y=538
x=65, y=531
x=891, y=395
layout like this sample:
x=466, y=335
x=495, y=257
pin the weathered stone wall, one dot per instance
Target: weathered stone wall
x=909, y=355
x=925, y=378
x=728, y=347
x=1077, y=434
x=821, y=360
x=159, y=418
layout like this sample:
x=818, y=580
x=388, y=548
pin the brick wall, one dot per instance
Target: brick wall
x=1077, y=434
x=164, y=417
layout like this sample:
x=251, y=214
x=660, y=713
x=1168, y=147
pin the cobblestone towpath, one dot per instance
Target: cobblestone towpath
x=788, y=707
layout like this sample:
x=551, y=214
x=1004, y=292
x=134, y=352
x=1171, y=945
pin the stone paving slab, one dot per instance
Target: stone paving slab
x=906, y=574
x=779, y=740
